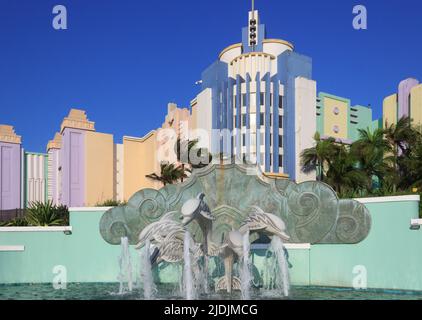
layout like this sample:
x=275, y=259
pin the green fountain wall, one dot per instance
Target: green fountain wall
x=391, y=253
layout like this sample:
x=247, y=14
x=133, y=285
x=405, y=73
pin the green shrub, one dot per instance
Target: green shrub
x=17, y=222
x=47, y=214
x=111, y=203
x=63, y=213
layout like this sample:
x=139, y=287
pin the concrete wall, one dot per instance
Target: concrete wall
x=405, y=87
x=119, y=172
x=391, y=254
x=389, y=110
x=416, y=105
x=54, y=176
x=360, y=117
x=139, y=160
x=84, y=253
x=305, y=122
x=72, y=162
x=335, y=117
x=10, y=175
x=99, y=164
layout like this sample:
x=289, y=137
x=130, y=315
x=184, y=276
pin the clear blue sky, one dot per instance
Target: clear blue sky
x=124, y=60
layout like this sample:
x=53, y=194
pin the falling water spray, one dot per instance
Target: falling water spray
x=125, y=264
x=146, y=272
x=187, y=270
x=282, y=282
x=245, y=271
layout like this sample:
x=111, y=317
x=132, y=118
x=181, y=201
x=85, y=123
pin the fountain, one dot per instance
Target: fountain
x=280, y=269
x=146, y=272
x=245, y=271
x=211, y=220
x=125, y=265
x=187, y=270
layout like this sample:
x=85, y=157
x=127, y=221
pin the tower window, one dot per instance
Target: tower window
x=243, y=139
x=261, y=98
x=244, y=100
x=280, y=160
x=244, y=120
x=280, y=121
x=280, y=141
x=261, y=119
x=280, y=102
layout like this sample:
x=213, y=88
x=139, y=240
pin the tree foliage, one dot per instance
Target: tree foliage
x=380, y=162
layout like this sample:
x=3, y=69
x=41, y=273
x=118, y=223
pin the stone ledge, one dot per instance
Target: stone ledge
x=389, y=199
x=12, y=248
x=36, y=229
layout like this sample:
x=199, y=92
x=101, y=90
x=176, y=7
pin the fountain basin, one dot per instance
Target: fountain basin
x=391, y=254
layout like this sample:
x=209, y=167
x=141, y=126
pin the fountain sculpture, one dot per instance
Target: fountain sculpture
x=218, y=213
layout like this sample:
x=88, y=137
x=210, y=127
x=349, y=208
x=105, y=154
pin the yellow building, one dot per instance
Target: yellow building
x=407, y=102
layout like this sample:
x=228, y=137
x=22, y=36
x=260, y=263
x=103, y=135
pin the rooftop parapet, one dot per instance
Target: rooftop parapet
x=7, y=134
x=56, y=143
x=77, y=119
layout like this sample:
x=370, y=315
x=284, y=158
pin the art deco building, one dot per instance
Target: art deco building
x=407, y=102
x=258, y=102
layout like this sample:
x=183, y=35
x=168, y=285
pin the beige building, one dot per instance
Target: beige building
x=87, y=168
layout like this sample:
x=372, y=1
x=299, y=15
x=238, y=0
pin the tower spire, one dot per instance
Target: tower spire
x=253, y=27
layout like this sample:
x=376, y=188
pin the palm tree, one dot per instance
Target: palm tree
x=343, y=174
x=169, y=174
x=399, y=134
x=370, y=153
x=404, y=140
x=410, y=164
x=319, y=157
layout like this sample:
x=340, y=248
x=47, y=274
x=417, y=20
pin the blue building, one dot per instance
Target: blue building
x=258, y=101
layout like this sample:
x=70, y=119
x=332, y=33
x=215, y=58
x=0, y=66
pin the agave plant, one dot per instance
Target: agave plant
x=46, y=214
x=17, y=222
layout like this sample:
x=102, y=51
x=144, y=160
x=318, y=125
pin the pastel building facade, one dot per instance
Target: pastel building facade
x=81, y=163
x=11, y=159
x=339, y=119
x=83, y=167
x=407, y=102
x=86, y=167
x=259, y=102
x=23, y=175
